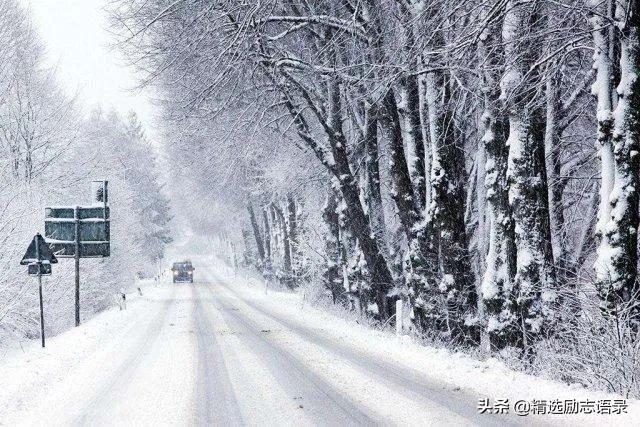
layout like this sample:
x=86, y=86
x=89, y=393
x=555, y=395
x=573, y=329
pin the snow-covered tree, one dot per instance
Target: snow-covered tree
x=618, y=135
x=498, y=279
x=417, y=114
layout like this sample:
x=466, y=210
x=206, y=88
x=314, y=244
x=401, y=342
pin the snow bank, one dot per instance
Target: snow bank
x=30, y=372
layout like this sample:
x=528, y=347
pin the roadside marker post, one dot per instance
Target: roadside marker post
x=399, y=317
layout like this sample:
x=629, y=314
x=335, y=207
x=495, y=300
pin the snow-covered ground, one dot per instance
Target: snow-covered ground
x=222, y=352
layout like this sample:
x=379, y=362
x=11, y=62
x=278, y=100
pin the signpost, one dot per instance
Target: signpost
x=39, y=258
x=80, y=232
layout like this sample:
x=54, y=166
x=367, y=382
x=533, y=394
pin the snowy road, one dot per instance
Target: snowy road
x=220, y=352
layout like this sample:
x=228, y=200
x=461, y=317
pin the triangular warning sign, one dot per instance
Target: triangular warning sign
x=45, y=252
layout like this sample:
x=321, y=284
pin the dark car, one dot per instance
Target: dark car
x=182, y=272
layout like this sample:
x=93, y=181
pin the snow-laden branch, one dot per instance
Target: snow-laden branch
x=349, y=27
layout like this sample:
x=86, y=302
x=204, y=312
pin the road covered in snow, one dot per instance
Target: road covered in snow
x=225, y=352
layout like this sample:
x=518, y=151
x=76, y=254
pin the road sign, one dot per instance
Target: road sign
x=42, y=268
x=80, y=232
x=39, y=258
x=38, y=251
x=92, y=224
x=87, y=249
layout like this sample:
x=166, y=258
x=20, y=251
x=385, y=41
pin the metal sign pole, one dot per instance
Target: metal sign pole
x=39, y=264
x=77, y=260
x=104, y=199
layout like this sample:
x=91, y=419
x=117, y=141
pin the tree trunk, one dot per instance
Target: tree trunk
x=447, y=214
x=410, y=112
x=292, y=215
x=373, y=194
x=358, y=220
x=409, y=109
x=286, y=242
x=553, y=137
x=415, y=143
x=619, y=265
x=603, y=91
x=401, y=186
x=267, y=239
x=497, y=282
x=256, y=233
x=424, y=118
x=332, y=270
x=526, y=175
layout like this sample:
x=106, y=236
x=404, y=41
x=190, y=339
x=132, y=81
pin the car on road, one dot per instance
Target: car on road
x=182, y=271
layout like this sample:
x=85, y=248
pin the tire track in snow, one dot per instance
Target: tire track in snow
x=320, y=401
x=99, y=405
x=409, y=382
x=216, y=400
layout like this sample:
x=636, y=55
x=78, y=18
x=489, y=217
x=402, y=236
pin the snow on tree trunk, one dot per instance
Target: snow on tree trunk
x=292, y=223
x=481, y=203
x=534, y=287
x=497, y=282
x=424, y=118
x=410, y=112
x=421, y=255
x=413, y=135
x=553, y=135
x=446, y=213
x=286, y=243
x=276, y=230
x=267, y=240
x=332, y=273
x=408, y=194
x=373, y=194
x=401, y=190
x=358, y=220
x=617, y=265
x=336, y=161
x=602, y=90
x=256, y=233
x=556, y=121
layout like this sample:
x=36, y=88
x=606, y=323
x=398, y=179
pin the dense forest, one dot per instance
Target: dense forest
x=476, y=159
x=51, y=147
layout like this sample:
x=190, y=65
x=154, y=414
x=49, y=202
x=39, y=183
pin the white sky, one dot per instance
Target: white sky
x=77, y=43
